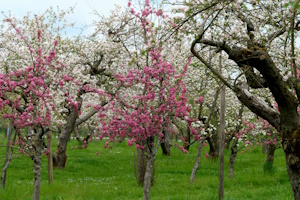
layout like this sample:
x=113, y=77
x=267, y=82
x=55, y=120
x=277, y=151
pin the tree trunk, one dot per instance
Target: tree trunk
x=141, y=166
x=233, y=154
x=196, y=166
x=7, y=155
x=165, y=146
x=213, y=141
x=148, y=173
x=60, y=158
x=50, y=159
x=294, y=175
x=221, y=141
x=228, y=139
x=213, y=146
x=270, y=157
x=186, y=144
x=37, y=158
x=291, y=147
x=264, y=145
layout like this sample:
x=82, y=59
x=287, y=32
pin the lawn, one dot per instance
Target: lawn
x=109, y=175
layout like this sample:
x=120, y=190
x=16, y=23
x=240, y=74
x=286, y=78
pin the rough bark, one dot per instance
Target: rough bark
x=291, y=147
x=233, y=154
x=37, y=158
x=196, y=165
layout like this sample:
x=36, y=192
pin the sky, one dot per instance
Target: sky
x=83, y=13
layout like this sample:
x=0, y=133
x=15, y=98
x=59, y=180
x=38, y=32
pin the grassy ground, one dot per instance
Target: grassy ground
x=109, y=175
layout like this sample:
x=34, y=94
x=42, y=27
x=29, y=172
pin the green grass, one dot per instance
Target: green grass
x=88, y=176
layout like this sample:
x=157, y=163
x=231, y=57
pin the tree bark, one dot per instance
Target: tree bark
x=291, y=147
x=148, y=179
x=60, y=158
x=221, y=142
x=186, y=144
x=270, y=157
x=148, y=176
x=37, y=158
x=50, y=159
x=228, y=139
x=294, y=175
x=7, y=155
x=213, y=146
x=141, y=166
x=264, y=145
x=196, y=166
x=165, y=146
x=233, y=154
x=213, y=140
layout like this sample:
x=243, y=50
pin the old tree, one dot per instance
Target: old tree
x=258, y=38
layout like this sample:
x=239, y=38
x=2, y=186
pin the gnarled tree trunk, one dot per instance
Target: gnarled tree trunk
x=291, y=147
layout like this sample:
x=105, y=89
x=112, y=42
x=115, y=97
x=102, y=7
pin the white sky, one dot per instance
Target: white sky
x=83, y=13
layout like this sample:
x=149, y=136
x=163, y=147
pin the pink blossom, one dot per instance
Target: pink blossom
x=206, y=155
x=139, y=146
x=55, y=42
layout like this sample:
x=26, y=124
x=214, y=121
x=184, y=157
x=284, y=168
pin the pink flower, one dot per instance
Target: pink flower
x=55, y=42
x=132, y=11
x=206, y=155
x=139, y=146
x=39, y=34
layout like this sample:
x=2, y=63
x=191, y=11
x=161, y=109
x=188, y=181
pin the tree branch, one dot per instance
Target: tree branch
x=257, y=105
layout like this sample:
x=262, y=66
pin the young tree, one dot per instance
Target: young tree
x=150, y=99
